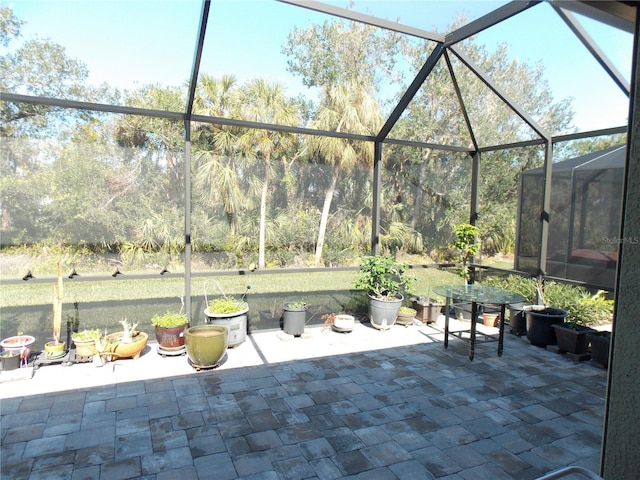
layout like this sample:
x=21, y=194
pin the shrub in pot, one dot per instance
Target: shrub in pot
x=384, y=280
x=169, y=329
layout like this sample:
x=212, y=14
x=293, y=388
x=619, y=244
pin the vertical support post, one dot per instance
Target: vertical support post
x=375, y=211
x=474, y=202
x=544, y=214
x=187, y=218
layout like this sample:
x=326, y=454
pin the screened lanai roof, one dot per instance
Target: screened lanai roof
x=582, y=47
x=613, y=157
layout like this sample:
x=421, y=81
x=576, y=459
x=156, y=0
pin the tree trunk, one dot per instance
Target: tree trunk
x=328, y=197
x=263, y=216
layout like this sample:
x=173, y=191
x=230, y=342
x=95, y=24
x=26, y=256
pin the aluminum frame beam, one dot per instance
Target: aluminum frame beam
x=615, y=14
x=591, y=45
x=489, y=20
x=366, y=19
x=499, y=92
x=411, y=91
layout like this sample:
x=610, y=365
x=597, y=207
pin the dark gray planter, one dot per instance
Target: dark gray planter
x=539, y=324
x=294, y=319
x=517, y=320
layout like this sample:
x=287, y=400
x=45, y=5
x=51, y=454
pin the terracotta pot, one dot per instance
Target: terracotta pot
x=128, y=350
x=171, y=337
x=491, y=319
x=85, y=348
x=206, y=345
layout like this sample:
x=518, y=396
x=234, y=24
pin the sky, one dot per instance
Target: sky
x=129, y=43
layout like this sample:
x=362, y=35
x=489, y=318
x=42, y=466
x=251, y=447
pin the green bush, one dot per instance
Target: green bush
x=583, y=307
x=525, y=286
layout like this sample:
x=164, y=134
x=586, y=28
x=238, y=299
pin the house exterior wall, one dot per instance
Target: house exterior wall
x=621, y=441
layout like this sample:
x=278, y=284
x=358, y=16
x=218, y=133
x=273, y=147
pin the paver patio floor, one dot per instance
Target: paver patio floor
x=328, y=405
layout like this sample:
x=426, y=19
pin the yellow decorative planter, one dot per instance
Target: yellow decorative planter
x=128, y=350
x=54, y=350
x=206, y=345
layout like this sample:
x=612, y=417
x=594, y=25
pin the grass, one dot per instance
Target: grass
x=26, y=307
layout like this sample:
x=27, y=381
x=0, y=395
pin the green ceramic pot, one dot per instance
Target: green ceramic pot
x=206, y=345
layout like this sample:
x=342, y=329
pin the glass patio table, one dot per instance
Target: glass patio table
x=476, y=295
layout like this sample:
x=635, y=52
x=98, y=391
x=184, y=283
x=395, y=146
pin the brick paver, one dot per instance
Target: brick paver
x=415, y=411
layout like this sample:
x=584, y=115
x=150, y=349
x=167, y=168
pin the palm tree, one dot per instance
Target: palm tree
x=346, y=108
x=265, y=102
x=215, y=157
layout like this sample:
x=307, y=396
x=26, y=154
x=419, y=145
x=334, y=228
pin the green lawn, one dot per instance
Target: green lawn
x=26, y=307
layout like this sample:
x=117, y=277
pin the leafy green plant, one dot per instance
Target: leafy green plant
x=169, y=320
x=467, y=246
x=582, y=306
x=408, y=310
x=525, y=286
x=85, y=335
x=226, y=305
x=295, y=305
x=381, y=276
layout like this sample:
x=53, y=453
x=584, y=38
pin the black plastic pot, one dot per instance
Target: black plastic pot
x=539, y=321
x=517, y=320
x=600, y=347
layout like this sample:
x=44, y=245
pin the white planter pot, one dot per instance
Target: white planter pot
x=343, y=323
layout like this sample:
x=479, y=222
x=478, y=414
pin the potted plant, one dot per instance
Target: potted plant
x=56, y=348
x=84, y=342
x=10, y=360
x=294, y=318
x=584, y=309
x=540, y=319
x=169, y=329
x=383, y=279
x=427, y=309
x=103, y=348
x=600, y=345
x=229, y=312
x=406, y=316
x=466, y=246
x=341, y=322
x=20, y=343
x=206, y=345
x=129, y=342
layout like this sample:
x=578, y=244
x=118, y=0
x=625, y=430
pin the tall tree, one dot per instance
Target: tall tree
x=266, y=102
x=346, y=108
x=348, y=61
x=216, y=156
